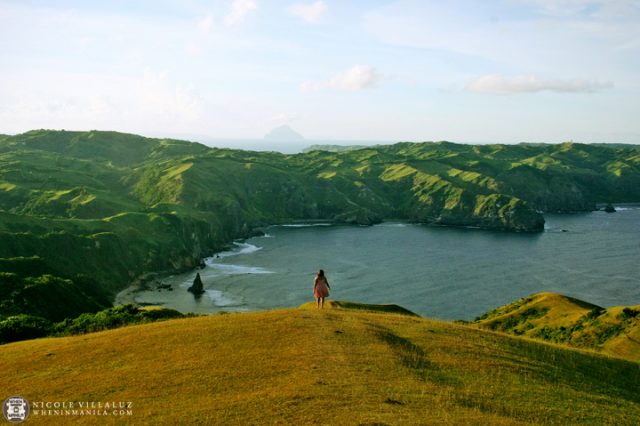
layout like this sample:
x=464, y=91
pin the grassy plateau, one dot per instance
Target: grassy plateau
x=348, y=364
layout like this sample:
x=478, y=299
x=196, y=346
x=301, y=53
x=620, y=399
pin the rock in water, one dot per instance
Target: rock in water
x=609, y=208
x=197, y=288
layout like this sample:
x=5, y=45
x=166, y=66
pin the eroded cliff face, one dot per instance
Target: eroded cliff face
x=497, y=212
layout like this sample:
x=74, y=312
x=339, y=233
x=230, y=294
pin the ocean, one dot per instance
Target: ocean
x=441, y=272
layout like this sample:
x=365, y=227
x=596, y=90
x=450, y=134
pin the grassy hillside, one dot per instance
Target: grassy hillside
x=115, y=207
x=336, y=366
x=562, y=319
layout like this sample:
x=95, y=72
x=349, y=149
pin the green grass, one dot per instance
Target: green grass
x=333, y=366
x=116, y=206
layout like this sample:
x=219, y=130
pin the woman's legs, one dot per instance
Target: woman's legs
x=322, y=298
x=317, y=302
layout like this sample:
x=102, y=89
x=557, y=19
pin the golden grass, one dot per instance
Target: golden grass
x=333, y=366
x=563, y=311
x=627, y=343
x=396, y=172
x=327, y=175
x=177, y=170
x=340, y=304
x=6, y=186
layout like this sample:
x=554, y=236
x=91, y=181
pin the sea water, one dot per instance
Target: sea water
x=442, y=272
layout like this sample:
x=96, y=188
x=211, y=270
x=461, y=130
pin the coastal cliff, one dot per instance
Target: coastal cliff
x=114, y=206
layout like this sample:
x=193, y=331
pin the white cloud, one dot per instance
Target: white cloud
x=630, y=45
x=501, y=85
x=147, y=100
x=162, y=97
x=195, y=45
x=594, y=8
x=192, y=49
x=240, y=9
x=311, y=12
x=356, y=78
x=559, y=7
x=205, y=24
x=544, y=42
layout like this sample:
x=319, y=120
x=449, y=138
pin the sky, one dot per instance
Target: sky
x=491, y=71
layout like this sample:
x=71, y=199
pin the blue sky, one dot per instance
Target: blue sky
x=467, y=71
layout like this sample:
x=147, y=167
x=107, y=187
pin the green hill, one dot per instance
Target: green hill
x=562, y=319
x=110, y=208
x=335, y=366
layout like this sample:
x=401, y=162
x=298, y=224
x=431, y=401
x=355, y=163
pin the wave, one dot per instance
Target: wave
x=554, y=230
x=246, y=248
x=226, y=269
x=241, y=248
x=215, y=270
x=392, y=225
x=220, y=299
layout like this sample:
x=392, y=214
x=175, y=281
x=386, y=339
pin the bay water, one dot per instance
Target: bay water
x=441, y=272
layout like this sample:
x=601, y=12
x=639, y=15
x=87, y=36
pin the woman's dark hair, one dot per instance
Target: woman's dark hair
x=321, y=273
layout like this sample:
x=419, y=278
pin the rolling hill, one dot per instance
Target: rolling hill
x=561, y=319
x=363, y=366
x=97, y=210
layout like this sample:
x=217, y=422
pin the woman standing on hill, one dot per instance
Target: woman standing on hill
x=320, y=289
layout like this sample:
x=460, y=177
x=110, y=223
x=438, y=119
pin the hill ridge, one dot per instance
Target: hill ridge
x=333, y=366
x=115, y=207
x=562, y=319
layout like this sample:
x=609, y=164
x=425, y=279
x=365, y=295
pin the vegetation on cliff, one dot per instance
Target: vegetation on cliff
x=561, y=319
x=110, y=207
x=24, y=327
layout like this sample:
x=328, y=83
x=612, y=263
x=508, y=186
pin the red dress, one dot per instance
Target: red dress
x=321, y=287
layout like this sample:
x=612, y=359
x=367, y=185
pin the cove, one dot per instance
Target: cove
x=440, y=272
